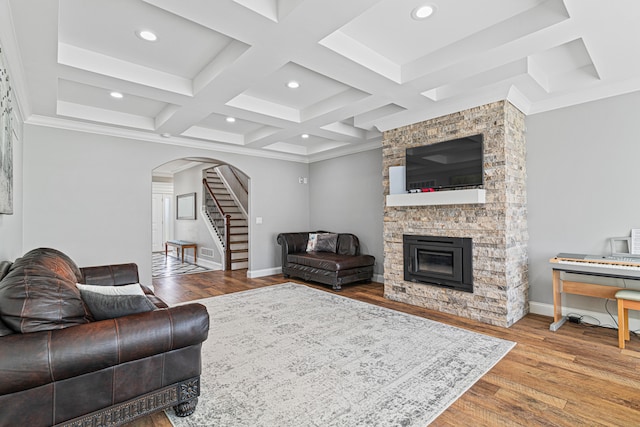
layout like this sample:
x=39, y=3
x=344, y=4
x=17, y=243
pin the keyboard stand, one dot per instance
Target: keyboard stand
x=578, y=288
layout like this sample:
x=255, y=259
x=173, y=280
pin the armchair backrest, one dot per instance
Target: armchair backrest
x=348, y=244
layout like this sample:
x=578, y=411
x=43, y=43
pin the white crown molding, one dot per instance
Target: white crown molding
x=60, y=123
x=55, y=122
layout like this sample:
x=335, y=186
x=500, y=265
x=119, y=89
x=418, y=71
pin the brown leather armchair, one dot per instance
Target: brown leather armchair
x=65, y=369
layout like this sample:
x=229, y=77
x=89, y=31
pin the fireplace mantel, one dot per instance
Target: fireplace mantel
x=452, y=197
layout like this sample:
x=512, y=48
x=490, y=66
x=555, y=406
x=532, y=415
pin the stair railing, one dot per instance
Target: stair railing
x=240, y=181
x=225, y=230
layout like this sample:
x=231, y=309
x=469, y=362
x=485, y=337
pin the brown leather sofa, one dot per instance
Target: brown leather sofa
x=333, y=266
x=60, y=367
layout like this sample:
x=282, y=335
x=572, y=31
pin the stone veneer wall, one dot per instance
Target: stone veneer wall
x=498, y=227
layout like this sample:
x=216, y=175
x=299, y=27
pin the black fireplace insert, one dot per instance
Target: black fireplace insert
x=440, y=261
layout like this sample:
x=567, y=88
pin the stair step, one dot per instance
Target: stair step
x=239, y=224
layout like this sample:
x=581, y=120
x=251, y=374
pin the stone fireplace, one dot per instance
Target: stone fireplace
x=497, y=227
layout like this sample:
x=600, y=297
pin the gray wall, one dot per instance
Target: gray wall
x=346, y=195
x=582, y=165
x=90, y=196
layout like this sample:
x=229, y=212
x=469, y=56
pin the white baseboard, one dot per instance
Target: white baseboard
x=211, y=265
x=378, y=278
x=589, y=315
x=251, y=274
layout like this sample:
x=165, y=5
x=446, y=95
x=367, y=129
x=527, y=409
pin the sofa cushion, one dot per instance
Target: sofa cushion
x=39, y=293
x=104, y=306
x=312, y=242
x=327, y=242
x=131, y=289
x=322, y=242
x=348, y=244
x=4, y=329
x=330, y=261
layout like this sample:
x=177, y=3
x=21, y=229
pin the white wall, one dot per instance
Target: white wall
x=582, y=165
x=346, y=195
x=190, y=181
x=90, y=196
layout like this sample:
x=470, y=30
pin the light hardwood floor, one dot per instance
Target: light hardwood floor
x=576, y=376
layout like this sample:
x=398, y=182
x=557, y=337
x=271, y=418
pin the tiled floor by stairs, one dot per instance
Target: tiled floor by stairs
x=172, y=266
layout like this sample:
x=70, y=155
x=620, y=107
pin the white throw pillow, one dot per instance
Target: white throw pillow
x=132, y=289
x=312, y=242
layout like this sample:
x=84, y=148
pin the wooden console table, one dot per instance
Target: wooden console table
x=589, y=265
x=181, y=245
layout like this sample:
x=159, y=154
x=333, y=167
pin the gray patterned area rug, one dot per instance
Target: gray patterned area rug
x=293, y=356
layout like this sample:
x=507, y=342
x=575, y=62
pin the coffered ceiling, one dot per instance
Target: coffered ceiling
x=363, y=66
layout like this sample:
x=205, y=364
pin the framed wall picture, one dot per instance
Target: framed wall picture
x=186, y=206
x=6, y=134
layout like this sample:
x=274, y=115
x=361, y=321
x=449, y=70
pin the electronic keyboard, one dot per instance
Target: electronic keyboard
x=616, y=266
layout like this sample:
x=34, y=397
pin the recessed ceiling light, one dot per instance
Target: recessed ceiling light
x=293, y=84
x=165, y=135
x=305, y=135
x=424, y=11
x=147, y=35
x=116, y=95
x=231, y=119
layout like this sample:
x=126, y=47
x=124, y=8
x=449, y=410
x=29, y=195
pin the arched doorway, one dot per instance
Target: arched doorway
x=217, y=225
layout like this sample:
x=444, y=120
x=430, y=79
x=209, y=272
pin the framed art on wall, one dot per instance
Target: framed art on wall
x=6, y=133
x=186, y=206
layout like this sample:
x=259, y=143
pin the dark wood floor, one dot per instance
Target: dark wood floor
x=576, y=376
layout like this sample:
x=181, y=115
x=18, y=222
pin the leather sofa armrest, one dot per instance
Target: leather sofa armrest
x=4, y=268
x=31, y=360
x=293, y=242
x=110, y=275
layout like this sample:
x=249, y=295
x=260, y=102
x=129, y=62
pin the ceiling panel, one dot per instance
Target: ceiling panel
x=92, y=96
x=363, y=66
x=389, y=29
x=183, y=48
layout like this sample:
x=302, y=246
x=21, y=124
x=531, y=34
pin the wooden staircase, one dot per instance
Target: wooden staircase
x=238, y=224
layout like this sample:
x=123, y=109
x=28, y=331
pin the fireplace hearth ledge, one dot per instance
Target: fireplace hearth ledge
x=451, y=197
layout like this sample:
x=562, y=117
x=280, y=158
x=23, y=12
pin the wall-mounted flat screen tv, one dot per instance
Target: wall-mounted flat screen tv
x=448, y=164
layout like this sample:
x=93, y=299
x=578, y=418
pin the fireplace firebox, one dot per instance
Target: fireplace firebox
x=439, y=261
